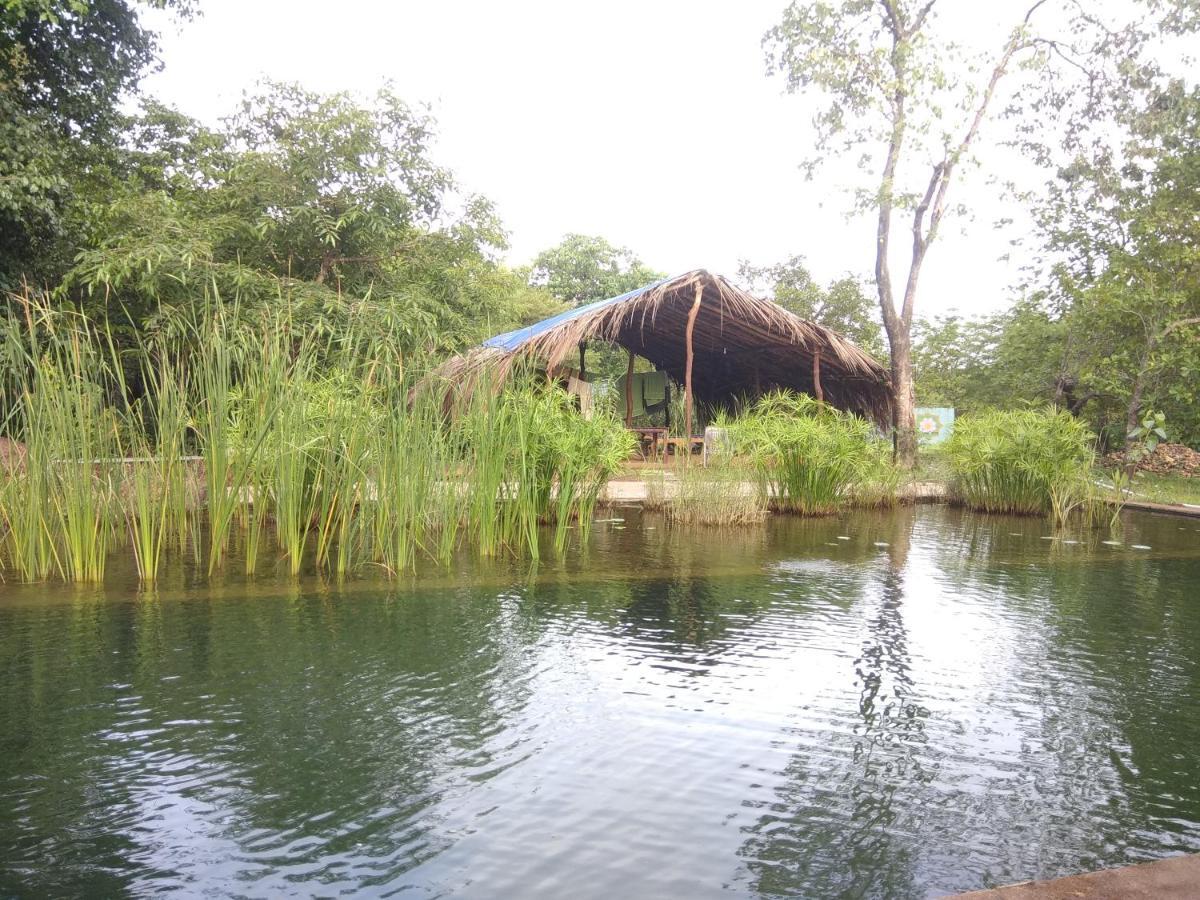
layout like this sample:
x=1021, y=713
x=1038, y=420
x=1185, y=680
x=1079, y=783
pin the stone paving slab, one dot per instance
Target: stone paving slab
x=1177, y=878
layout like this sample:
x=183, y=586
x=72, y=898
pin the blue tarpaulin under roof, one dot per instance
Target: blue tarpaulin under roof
x=512, y=340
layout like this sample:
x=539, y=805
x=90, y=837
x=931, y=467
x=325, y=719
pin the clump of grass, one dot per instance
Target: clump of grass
x=1028, y=462
x=532, y=459
x=720, y=494
x=811, y=458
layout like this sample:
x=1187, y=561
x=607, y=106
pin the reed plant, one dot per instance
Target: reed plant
x=214, y=367
x=416, y=491
x=72, y=440
x=811, y=458
x=588, y=453
x=28, y=546
x=1026, y=461
x=349, y=414
x=313, y=443
x=546, y=463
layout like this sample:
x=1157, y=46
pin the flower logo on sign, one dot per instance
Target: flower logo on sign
x=929, y=425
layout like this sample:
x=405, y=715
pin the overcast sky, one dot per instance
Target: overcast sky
x=649, y=122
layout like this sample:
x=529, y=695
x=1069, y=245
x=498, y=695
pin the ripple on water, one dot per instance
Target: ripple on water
x=938, y=702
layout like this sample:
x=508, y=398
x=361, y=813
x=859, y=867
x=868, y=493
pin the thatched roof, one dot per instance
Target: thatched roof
x=742, y=345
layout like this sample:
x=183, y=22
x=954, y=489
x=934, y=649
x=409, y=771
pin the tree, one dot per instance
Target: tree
x=1122, y=228
x=328, y=201
x=842, y=306
x=1001, y=360
x=582, y=269
x=891, y=87
x=65, y=66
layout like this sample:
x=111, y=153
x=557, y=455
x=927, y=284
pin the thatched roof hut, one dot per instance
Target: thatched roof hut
x=715, y=339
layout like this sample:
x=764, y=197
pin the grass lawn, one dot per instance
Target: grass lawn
x=1166, y=488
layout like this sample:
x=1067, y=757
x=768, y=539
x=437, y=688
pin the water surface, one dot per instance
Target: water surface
x=898, y=704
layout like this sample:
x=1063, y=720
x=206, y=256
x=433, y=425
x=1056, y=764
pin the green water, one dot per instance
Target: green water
x=664, y=713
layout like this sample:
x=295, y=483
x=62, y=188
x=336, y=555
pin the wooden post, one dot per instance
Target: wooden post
x=687, y=372
x=582, y=363
x=629, y=391
x=817, y=378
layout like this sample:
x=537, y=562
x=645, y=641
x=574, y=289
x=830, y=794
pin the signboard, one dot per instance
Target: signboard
x=935, y=424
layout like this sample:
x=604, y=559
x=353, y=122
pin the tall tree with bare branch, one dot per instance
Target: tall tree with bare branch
x=893, y=88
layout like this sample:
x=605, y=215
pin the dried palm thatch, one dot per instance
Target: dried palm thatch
x=743, y=346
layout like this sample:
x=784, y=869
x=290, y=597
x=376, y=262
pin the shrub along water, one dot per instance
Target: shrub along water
x=1030, y=461
x=317, y=442
x=811, y=458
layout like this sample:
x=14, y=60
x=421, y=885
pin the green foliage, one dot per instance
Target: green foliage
x=65, y=66
x=1143, y=440
x=327, y=201
x=841, y=306
x=1121, y=228
x=33, y=189
x=75, y=59
x=1029, y=461
x=1153, y=428
x=999, y=360
x=582, y=269
x=812, y=458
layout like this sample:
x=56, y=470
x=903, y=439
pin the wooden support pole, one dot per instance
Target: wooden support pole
x=817, y=378
x=687, y=372
x=629, y=391
x=582, y=361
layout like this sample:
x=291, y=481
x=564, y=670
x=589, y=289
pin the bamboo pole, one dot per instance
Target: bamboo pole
x=817, y=378
x=687, y=372
x=629, y=392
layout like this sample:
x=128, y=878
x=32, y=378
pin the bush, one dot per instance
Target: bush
x=1031, y=462
x=811, y=458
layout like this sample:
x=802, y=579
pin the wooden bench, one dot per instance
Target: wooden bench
x=652, y=439
x=686, y=445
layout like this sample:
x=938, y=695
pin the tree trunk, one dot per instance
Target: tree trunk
x=1135, y=399
x=904, y=418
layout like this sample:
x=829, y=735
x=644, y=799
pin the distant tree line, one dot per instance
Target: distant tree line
x=335, y=205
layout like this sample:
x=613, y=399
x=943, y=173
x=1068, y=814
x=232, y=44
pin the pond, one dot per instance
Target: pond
x=889, y=704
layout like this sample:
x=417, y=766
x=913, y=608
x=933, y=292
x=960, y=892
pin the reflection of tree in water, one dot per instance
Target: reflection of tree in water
x=841, y=822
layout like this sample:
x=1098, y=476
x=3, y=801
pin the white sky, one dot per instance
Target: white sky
x=649, y=122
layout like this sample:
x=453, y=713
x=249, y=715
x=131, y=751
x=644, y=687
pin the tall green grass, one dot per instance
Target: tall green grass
x=811, y=458
x=154, y=480
x=1029, y=462
x=59, y=511
x=314, y=450
x=723, y=493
